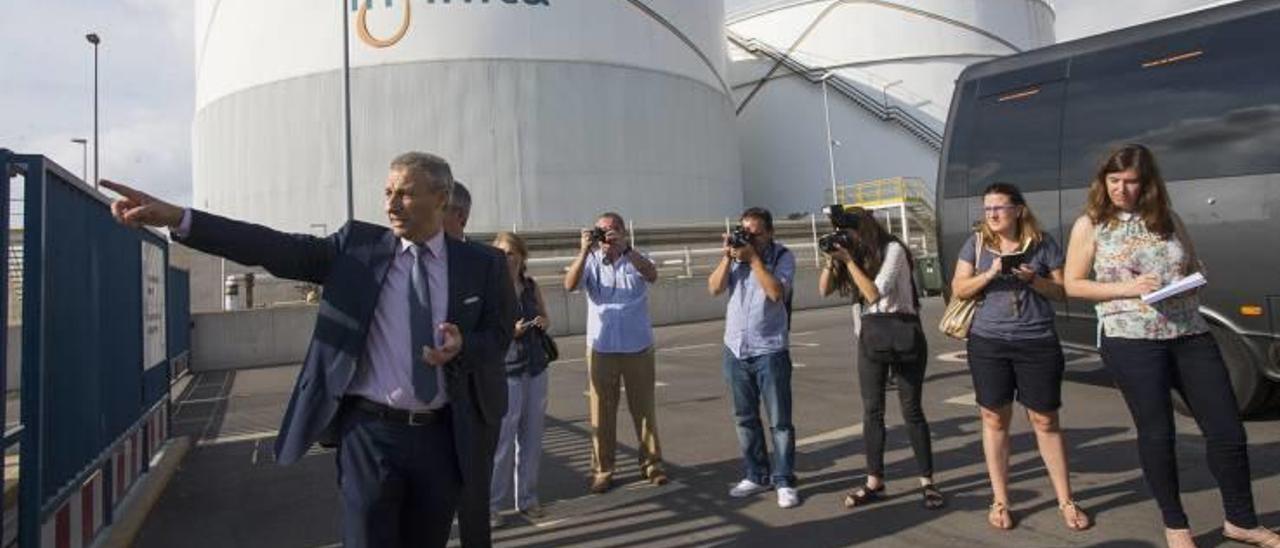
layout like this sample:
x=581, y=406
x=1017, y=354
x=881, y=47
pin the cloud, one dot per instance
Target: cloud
x=146, y=87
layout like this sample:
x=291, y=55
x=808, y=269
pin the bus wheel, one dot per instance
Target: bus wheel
x=1253, y=391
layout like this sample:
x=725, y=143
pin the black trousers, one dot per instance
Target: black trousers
x=473, y=508
x=1146, y=371
x=399, y=483
x=872, y=377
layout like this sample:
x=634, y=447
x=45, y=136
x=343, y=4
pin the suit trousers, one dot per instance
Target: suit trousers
x=608, y=373
x=399, y=483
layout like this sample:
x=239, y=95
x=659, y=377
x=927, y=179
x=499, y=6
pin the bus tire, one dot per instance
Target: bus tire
x=1253, y=391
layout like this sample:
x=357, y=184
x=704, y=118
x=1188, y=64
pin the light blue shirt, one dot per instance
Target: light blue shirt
x=617, y=306
x=385, y=375
x=754, y=325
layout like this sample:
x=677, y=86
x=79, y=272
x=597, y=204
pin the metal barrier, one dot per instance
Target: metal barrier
x=178, y=302
x=95, y=355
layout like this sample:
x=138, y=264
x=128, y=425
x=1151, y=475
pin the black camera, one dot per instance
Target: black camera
x=740, y=237
x=597, y=235
x=842, y=218
x=828, y=242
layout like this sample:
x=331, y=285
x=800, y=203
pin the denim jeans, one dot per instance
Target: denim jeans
x=519, y=455
x=752, y=380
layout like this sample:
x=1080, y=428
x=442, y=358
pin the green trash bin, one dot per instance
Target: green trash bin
x=929, y=275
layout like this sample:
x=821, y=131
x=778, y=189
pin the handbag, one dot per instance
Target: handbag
x=958, y=317
x=892, y=338
x=549, y=348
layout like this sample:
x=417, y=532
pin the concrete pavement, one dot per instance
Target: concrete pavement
x=229, y=491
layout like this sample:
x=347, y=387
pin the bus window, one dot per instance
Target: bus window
x=1206, y=101
x=956, y=175
x=1015, y=138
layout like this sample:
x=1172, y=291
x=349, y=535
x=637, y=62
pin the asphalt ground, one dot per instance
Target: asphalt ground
x=229, y=492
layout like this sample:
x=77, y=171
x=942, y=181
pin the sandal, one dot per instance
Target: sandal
x=1075, y=518
x=998, y=516
x=933, y=498
x=1258, y=536
x=862, y=495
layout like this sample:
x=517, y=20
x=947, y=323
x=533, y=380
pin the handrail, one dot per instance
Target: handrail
x=882, y=110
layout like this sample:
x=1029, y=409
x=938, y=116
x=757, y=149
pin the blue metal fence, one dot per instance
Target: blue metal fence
x=98, y=324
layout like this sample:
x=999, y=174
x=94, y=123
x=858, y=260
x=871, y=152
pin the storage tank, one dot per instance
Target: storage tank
x=549, y=110
x=892, y=67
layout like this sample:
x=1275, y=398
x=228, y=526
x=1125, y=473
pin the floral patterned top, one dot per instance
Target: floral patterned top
x=1125, y=249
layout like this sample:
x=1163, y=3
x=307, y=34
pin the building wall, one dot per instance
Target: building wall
x=549, y=113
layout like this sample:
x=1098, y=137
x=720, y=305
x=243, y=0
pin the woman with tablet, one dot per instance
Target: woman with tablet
x=1134, y=243
x=1015, y=270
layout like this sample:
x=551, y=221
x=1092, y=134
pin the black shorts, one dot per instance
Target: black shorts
x=1031, y=370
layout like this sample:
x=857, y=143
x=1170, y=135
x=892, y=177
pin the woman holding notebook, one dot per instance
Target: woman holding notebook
x=1015, y=269
x=1134, y=243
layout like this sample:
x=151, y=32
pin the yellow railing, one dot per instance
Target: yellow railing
x=881, y=192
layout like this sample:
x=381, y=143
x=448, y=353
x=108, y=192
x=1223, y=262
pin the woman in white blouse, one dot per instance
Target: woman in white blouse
x=876, y=268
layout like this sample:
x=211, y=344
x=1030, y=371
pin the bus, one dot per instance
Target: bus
x=1202, y=91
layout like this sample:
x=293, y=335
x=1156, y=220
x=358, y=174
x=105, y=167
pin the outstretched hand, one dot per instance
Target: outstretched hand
x=136, y=208
x=448, y=348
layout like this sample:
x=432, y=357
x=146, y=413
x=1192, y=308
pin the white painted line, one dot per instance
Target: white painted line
x=1085, y=359
x=239, y=437
x=837, y=434
x=959, y=356
x=549, y=523
x=689, y=347
x=656, y=384
x=805, y=344
x=798, y=364
x=803, y=333
x=204, y=400
x=969, y=399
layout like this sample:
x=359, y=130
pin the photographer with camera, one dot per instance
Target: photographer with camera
x=616, y=278
x=876, y=268
x=758, y=273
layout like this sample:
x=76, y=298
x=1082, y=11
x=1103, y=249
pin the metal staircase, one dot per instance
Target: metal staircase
x=880, y=108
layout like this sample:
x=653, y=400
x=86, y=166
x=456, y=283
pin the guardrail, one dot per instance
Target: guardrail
x=94, y=352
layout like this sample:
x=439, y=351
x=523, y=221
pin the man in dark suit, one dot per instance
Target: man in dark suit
x=408, y=320
x=474, y=522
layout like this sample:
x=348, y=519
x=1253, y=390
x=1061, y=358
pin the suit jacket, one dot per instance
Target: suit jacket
x=351, y=265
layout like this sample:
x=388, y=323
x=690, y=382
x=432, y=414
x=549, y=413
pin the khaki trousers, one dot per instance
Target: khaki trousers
x=607, y=372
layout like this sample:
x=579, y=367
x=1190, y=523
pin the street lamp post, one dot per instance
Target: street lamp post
x=831, y=156
x=84, y=157
x=93, y=39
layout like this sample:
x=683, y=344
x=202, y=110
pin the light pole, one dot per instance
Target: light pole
x=93, y=39
x=84, y=157
x=831, y=156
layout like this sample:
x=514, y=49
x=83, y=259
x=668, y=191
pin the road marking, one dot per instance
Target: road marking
x=238, y=438
x=959, y=356
x=798, y=364
x=549, y=523
x=688, y=347
x=833, y=435
x=969, y=399
x=656, y=384
x=806, y=345
x=803, y=333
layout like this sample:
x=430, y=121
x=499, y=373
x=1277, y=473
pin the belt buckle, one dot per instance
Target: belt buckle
x=414, y=421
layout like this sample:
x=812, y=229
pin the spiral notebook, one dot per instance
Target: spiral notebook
x=1181, y=286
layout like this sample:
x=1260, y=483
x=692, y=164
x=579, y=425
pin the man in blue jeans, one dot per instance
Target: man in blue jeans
x=758, y=274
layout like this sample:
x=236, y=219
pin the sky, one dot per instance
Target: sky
x=147, y=88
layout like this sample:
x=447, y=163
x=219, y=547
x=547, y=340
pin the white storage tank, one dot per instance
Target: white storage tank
x=549, y=110
x=893, y=64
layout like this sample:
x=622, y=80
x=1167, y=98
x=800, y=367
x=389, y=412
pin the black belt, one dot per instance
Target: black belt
x=391, y=414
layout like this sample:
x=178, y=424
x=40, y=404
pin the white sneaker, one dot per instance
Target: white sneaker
x=746, y=488
x=788, y=497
